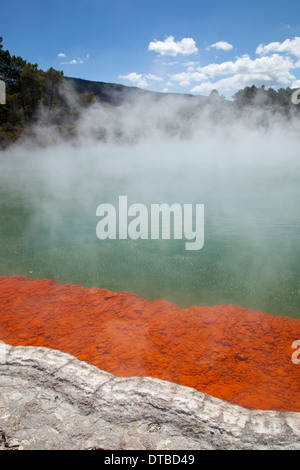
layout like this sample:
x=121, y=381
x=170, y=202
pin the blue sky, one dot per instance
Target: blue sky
x=167, y=45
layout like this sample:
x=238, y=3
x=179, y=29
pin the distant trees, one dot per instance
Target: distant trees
x=29, y=90
x=52, y=81
x=215, y=96
x=260, y=96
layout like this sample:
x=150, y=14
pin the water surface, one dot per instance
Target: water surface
x=251, y=254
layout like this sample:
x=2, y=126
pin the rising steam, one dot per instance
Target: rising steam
x=243, y=165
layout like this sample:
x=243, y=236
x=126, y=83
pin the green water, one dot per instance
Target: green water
x=251, y=254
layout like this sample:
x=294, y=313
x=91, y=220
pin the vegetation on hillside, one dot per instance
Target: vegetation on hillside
x=33, y=94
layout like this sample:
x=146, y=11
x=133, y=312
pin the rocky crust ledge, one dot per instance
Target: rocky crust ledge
x=52, y=400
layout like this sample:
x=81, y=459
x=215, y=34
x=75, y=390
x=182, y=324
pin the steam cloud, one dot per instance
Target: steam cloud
x=243, y=165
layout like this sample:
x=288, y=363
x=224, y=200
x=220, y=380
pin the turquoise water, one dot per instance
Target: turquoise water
x=251, y=253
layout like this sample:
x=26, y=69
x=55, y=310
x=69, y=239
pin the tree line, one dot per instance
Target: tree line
x=263, y=97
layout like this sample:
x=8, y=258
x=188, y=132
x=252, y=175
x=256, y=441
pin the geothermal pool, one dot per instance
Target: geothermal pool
x=250, y=190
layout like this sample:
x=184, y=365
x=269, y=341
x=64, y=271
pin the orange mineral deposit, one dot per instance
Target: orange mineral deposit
x=229, y=352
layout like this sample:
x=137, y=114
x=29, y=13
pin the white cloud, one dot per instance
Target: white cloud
x=230, y=84
x=290, y=46
x=223, y=45
x=135, y=78
x=185, y=78
x=139, y=79
x=150, y=76
x=70, y=62
x=272, y=68
x=296, y=84
x=191, y=64
x=78, y=60
x=169, y=47
x=276, y=68
x=171, y=64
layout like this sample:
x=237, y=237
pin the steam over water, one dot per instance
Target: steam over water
x=245, y=170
